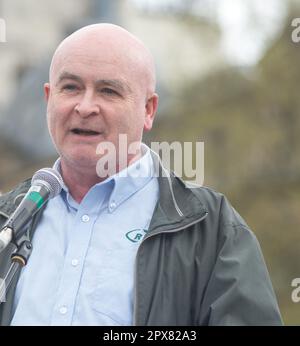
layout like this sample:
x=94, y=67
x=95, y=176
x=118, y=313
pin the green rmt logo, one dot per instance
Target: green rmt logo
x=2, y=30
x=136, y=235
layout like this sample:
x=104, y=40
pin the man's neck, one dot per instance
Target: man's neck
x=80, y=180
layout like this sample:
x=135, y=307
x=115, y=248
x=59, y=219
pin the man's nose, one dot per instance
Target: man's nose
x=87, y=106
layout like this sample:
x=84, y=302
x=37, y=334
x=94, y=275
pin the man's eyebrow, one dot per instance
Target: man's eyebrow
x=115, y=83
x=67, y=75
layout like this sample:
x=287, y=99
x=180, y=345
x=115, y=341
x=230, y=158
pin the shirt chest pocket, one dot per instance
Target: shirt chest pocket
x=112, y=297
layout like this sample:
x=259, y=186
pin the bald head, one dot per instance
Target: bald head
x=112, y=43
x=102, y=85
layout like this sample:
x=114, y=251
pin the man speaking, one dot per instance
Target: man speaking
x=119, y=248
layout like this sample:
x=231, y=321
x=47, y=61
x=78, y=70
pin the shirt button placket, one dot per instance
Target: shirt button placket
x=74, y=262
x=85, y=218
x=112, y=206
x=63, y=310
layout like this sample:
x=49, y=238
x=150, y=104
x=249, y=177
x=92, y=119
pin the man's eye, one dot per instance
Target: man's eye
x=109, y=91
x=70, y=87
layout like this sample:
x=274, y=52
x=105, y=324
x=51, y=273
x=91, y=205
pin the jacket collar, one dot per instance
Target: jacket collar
x=178, y=205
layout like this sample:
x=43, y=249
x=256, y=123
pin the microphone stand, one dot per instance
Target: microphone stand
x=18, y=260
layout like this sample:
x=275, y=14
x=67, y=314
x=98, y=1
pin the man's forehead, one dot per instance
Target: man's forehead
x=94, y=45
x=117, y=48
x=93, y=60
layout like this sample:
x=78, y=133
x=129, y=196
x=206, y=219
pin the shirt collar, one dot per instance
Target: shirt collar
x=125, y=183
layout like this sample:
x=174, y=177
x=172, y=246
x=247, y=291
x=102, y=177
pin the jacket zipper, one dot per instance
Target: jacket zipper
x=152, y=235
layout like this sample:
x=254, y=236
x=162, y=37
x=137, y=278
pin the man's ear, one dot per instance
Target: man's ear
x=150, y=111
x=47, y=91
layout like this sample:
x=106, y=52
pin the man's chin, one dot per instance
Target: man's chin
x=81, y=160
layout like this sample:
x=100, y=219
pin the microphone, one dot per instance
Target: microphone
x=46, y=183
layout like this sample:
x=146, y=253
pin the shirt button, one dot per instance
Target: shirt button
x=74, y=262
x=112, y=205
x=85, y=218
x=63, y=310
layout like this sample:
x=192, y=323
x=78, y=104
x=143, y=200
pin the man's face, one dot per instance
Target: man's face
x=93, y=97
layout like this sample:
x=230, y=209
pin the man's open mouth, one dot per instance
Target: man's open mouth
x=84, y=132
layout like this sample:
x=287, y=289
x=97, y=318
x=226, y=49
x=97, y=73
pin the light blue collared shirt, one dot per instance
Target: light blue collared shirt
x=81, y=270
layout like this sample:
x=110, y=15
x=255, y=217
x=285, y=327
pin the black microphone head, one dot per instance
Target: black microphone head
x=49, y=178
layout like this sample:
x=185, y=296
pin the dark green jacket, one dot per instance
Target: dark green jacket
x=199, y=264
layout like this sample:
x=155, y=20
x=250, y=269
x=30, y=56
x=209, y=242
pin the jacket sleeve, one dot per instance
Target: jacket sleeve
x=239, y=291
